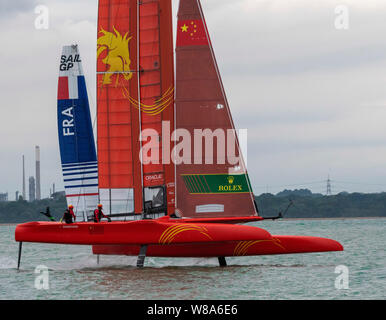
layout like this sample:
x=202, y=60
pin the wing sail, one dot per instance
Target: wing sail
x=76, y=139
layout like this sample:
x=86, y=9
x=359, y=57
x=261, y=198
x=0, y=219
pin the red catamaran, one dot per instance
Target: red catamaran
x=166, y=197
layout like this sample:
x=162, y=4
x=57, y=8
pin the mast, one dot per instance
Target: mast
x=214, y=182
x=156, y=87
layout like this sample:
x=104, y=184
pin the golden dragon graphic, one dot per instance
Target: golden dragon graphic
x=117, y=58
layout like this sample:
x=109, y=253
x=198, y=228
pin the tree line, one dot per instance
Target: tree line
x=310, y=205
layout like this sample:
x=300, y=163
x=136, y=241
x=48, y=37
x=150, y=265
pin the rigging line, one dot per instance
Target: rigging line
x=84, y=211
x=169, y=92
x=138, y=3
x=89, y=94
x=93, y=105
x=174, y=36
x=76, y=143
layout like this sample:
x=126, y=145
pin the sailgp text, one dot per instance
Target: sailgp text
x=66, y=63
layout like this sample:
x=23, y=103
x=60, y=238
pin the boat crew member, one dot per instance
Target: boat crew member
x=98, y=214
x=69, y=215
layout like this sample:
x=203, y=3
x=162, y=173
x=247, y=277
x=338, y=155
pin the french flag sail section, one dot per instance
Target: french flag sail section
x=76, y=139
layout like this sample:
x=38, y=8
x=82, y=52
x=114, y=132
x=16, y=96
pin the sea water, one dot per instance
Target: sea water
x=50, y=271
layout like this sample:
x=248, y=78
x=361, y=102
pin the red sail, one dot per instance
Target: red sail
x=135, y=92
x=211, y=180
x=156, y=82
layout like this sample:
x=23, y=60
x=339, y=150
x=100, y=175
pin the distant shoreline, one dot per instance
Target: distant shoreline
x=287, y=219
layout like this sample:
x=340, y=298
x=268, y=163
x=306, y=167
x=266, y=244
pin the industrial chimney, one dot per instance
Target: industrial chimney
x=32, y=189
x=24, y=198
x=37, y=173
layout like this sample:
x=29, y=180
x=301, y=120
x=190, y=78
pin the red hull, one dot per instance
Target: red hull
x=169, y=238
x=275, y=245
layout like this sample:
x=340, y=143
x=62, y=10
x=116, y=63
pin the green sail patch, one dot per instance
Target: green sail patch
x=216, y=183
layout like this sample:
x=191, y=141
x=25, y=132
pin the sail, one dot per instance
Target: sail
x=135, y=95
x=76, y=139
x=156, y=82
x=211, y=177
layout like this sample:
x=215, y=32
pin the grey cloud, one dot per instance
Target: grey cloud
x=339, y=59
x=9, y=8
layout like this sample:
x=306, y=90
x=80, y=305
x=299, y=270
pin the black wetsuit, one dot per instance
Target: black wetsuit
x=67, y=217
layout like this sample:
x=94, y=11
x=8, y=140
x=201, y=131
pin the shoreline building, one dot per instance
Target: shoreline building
x=4, y=197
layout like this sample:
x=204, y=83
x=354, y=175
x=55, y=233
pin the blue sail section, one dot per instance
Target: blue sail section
x=76, y=138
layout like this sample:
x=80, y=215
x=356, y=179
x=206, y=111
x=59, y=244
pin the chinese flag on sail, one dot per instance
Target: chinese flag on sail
x=191, y=33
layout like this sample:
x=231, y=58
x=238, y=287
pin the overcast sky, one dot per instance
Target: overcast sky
x=312, y=96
